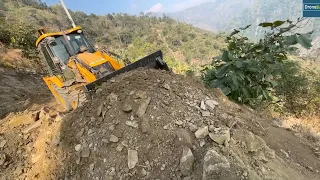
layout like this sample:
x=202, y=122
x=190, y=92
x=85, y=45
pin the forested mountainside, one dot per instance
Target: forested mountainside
x=226, y=15
x=130, y=36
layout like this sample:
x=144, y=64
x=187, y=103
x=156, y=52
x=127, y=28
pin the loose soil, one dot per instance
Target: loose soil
x=149, y=124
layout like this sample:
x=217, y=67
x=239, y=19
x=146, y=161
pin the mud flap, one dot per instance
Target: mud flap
x=153, y=61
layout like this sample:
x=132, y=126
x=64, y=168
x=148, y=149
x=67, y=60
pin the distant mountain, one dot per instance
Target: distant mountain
x=225, y=15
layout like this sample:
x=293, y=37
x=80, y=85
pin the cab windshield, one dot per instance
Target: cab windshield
x=61, y=49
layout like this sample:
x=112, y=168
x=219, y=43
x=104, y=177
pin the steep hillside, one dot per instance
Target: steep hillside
x=225, y=15
x=129, y=36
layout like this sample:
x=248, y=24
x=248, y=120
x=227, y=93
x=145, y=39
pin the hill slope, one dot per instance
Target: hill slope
x=225, y=15
x=129, y=36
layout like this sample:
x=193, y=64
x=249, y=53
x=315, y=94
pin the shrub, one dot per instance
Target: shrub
x=243, y=71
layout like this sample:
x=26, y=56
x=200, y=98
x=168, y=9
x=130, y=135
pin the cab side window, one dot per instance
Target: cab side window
x=48, y=60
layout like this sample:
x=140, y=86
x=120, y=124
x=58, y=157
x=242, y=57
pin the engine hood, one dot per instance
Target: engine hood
x=91, y=59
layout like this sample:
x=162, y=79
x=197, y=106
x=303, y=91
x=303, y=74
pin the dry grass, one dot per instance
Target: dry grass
x=308, y=126
x=13, y=59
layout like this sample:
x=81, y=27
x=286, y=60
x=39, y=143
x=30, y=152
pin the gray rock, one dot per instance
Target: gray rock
x=211, y=104
x=163, y=167
x=91, y=167
x=114, y=139
x=78, y=147
x=111, y=128
x=143, y=107
x=144, y=172
x=205, y=113
x=85, y=153
x=202, y=142
x=203, y=106
x=132, y=124
x=202, y=132
x=221, y=138
x=132, y=158
x=120, y=147
x=254, y=143
x=145, y=125
x=192, y=127
x=113, y=98
x=186, y=161
x=141, y=95
x=166, y=86
x=125, y=143
x=214, y=164
x=179, y=123
x=126, y=107
x=99, y=111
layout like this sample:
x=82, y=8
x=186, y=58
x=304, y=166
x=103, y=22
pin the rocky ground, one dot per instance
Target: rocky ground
x=148, y=124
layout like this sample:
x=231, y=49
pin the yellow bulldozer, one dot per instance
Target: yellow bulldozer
x=75, y=67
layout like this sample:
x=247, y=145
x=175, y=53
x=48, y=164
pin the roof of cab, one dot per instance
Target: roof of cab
x=43, y=36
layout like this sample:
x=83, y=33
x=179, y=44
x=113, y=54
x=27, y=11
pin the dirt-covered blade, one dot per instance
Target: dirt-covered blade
x=153, y=61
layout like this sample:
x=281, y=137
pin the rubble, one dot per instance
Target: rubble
x=78, y=147
x=202, y=132
x=145, y=125
x=132, y=124
x=186, y=161
x=214, y=164
x=138, y=129
x=126, y=107
x=205, y=113
x=114, y=139
x=143, y=107
x=132, y=158
x=211, y=104
x=221, y=137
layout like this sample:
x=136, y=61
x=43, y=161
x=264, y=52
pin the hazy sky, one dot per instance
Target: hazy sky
x=127, y=6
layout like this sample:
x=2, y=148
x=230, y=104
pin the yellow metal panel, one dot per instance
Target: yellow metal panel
x=87, y=75
x=54, y=80
x=56, y=34
x=92, y=59
x=114, y=63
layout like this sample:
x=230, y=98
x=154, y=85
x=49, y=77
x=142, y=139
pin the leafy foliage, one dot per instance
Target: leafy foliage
x=298, y=89
x=19, y=36
x=129, y=36
x=243, y=70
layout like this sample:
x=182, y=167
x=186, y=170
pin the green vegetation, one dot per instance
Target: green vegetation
x=131, y=37
x=255, y=72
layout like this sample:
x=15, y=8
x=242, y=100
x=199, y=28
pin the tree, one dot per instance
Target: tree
x=242, y=71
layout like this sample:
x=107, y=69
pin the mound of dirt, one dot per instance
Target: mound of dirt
x=148, y=124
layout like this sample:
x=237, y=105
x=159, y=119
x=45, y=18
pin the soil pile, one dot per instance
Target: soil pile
x=148, y=124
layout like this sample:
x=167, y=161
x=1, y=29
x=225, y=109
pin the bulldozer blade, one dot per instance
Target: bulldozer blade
x=153, y=61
